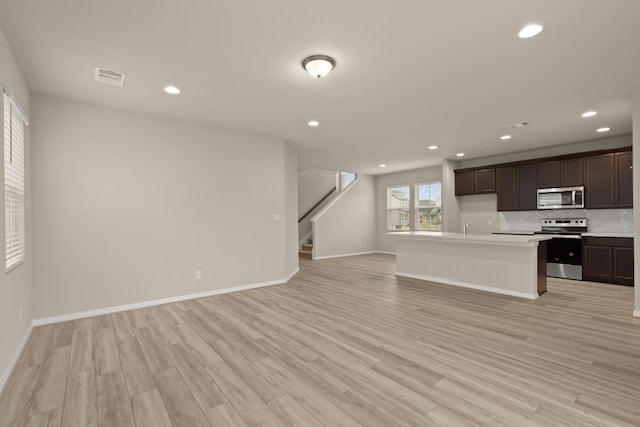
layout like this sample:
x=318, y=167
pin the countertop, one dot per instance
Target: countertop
x=626, y=235
x=515, y=232
x=498, y=239
x=596, y=234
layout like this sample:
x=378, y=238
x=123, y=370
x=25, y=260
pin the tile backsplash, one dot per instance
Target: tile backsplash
x=599, y=220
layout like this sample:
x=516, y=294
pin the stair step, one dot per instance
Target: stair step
x=307, y=246
x=306, y=253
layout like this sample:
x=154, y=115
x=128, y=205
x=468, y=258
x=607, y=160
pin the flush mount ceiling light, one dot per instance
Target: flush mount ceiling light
x=460, y=155
x=313, y=123
x=589, y=114
x=172, y=90
x=382, y=165
x=505, y=137
x=605, y=129
x=318, y=65
x=530, y=31
x=432, y=147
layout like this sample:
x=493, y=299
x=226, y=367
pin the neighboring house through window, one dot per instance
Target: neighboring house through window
x=399, y=207
x=424, y=200
x=428, y=206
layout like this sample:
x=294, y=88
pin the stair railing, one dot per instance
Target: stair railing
x=317, y=204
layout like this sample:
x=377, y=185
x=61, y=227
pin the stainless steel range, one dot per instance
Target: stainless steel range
x=564, y=250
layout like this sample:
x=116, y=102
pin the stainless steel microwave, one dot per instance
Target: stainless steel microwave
x=561, y=198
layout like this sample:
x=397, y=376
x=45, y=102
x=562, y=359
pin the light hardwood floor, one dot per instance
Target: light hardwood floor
x=345, y=343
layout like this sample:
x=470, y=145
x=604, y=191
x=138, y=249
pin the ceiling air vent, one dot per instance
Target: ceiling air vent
x=518, y=125
x=110, y=77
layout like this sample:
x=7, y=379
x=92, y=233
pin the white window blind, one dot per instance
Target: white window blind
x=14, y=122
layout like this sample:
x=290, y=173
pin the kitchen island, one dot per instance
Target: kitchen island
x=506, y=264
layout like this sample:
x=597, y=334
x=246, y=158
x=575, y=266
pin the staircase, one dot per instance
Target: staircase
x=307, y=249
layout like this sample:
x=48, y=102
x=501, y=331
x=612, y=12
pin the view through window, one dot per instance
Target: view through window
x=399, y=207
x=429, y=207
x=423, y=199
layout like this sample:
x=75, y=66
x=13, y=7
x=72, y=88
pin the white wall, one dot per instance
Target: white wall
x=431, y=174
x=636, y=198
x=290, y=212
x=346, y=226
x=129, y=206
x=481, y=210
x=16, y=286
x=313, y=185
x=451, y=220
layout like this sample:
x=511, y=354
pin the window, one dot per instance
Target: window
x=398, y=207
x=14, y=122
x=428, y=207
x=346, y=178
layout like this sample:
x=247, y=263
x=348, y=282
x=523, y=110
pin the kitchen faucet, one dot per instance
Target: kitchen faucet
x=467, y=226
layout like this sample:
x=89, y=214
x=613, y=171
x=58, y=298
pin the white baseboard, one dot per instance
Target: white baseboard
x=12, y=363
x=636, y=313
x=469, y=285
x=344, y=255
x=143, y=304
x=385, y=252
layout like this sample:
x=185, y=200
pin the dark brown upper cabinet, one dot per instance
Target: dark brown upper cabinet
x=549, y=174
x=572, y=172
x=477, y=181
x=600, y=181
x=624, y=171
x=506, y=183
x=607, y=177
x=517, y=187
x=485, y=180
x=465, y=183
x=561, y=173
x=527, y=184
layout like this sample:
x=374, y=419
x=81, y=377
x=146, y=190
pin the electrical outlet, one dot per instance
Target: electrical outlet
x=198, y=274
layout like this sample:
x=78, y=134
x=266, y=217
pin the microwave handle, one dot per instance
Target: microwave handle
x=573, y=197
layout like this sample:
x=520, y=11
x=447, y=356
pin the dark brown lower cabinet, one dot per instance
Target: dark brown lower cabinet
x=608, y=260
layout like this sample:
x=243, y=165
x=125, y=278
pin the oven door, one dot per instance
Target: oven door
x=564, y=257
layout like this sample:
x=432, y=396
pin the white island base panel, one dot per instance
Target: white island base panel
x=510, y=265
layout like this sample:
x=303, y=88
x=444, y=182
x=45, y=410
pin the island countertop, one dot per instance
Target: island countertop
x=497, y=239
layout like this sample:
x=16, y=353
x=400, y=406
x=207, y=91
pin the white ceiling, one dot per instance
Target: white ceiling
x=409, y=73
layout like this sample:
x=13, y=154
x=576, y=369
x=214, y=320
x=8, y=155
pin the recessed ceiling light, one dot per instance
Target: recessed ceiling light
x=605, y=129
x=172, y=90
x=313, y=123
x=589, y=113
x=382, y=165
x=505, y=137
x=460, y=154
x=433, y=147
x=530, y=31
